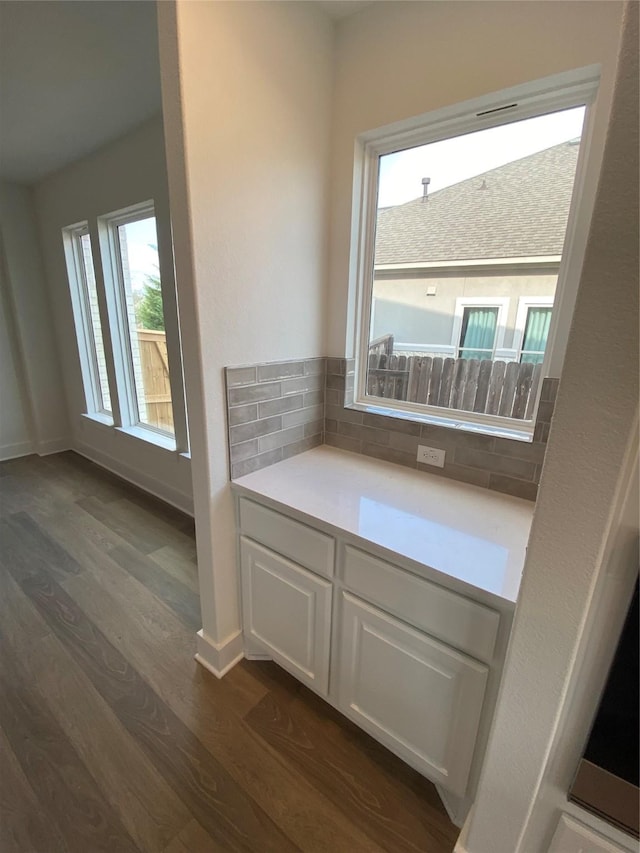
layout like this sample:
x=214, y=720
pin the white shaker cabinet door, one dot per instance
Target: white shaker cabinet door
x=287, y=613
x=416, y=695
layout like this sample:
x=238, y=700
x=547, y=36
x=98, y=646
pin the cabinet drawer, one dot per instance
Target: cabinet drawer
x=308, y=547
x=419, y=697
x=287, y=613
x=457, y=620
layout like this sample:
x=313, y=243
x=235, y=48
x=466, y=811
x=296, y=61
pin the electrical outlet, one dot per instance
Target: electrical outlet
x=431, y=456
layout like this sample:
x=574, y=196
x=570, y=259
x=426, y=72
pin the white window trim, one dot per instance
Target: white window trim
x=560, y=91
x=83, y=321
x=524, y=303
x=462, y=302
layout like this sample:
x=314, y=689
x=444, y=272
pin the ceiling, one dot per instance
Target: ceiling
x=77, y=75
x=73, y=76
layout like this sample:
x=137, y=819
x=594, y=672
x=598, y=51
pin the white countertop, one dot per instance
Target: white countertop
x=465, y=532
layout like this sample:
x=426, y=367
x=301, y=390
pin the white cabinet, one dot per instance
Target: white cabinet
x=287, y=613
x=416, y=695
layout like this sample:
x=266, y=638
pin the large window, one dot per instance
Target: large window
x=464, y=222
x=132, y=377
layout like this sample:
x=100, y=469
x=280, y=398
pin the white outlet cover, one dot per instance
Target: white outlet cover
x=431, y=456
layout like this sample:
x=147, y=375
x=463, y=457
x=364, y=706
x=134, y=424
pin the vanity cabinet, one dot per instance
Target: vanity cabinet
x=403, y=657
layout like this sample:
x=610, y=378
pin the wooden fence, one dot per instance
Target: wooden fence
x=155, y=378
x=500, y=388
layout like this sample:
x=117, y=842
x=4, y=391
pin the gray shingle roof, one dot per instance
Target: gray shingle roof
x=516, y=210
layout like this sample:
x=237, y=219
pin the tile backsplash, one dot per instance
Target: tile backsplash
x=274, y=411
x=280, y=409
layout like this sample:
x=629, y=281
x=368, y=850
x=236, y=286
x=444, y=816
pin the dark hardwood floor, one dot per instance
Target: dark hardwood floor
x=113, y=739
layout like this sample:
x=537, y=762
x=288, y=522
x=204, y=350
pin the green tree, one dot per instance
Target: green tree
x=149, y=312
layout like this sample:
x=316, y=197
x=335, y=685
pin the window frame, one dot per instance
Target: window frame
x=83, y=321
x=462, y=302
x=524, y=304
x=560, y=92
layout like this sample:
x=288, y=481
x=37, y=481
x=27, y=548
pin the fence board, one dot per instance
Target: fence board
x=423, y=381
x=414, y=375
x=486, y=369
x=448, y=368
x=457, y=383
x=508, y=389
x=495, y=387
x=523, y=386
x=533, y=393
x=470, y=385
x=434, y=383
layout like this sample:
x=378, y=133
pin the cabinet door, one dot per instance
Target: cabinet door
x=287, y=613
x=419, y=697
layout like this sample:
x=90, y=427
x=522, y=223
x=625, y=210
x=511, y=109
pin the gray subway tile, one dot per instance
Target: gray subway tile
x=407, y=443
x=300, y=446
x=279, y=439
x=243, y=414
x=339, y=413
x=302, y=416
x=545, y=411
x=343, y=442
x=518, y=468
x=315, y=365
x=254, y=393
x=330, y=425
x=376, y=436
x=474, y=476
x=392, y=424
x=240, y=376
x=334, y=397
x=255, y=463
x=280, y=370
x=379, y=451
x=513, y=486
x=280, y=404
x=244, y=432
x=549, y=389
x=313, y=382
x=336, y=366
x=452, y=438
x=532, y=452
x=335, y=382
x=314, y=427
x=244, y=450
x=314, y=398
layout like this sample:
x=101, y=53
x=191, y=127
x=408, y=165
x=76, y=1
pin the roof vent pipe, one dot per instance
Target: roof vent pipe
x=425, y=188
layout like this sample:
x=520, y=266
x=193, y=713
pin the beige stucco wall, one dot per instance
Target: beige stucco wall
x=403, y=308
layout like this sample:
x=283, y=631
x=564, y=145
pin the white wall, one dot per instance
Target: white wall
x=246, y=100
x=126, y=172
x=592, y=451
x=32, y=400
x=395, y=60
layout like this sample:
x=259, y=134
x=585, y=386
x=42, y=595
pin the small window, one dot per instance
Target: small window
x=84, y=293
x=144, y=321
x=465, y=221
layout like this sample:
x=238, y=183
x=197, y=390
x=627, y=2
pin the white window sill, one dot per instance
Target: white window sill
x=166, y=442
x=525, y=435
x=99, y=418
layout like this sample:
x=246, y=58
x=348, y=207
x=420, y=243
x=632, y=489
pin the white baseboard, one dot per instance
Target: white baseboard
x=53, y=445
x=148, y=484
x=456, y=808
x=14, y=451
x=219, y=658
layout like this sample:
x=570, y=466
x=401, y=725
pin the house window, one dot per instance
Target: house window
x=463, y=216
x=536, y=334
x=133, y=377
x=84, y=294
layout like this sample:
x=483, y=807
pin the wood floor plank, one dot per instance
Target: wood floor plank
x=193, y=839
x=23, y=556
x=223, y=808
x=20, y=623
x=139, y=536
x=178, y=564
x=38, y=544
x=183, y=601
x=23, y=827
x=65, y=790
x=326, y=754
x=149, y=809
x=212, y=709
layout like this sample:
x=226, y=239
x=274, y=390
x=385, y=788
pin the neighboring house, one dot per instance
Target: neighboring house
x=471, y=268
